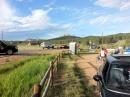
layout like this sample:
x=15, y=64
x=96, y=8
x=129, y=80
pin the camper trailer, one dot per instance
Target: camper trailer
x=47, y=45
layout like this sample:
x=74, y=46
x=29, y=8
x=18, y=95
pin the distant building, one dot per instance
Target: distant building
x=32, y=42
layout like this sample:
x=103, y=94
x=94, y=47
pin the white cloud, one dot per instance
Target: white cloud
x=109, y=19
x=125, y=5
x=99, y=20
x=25, y=0
x=6, y=10
x=6, y=13
x=120, y=4
x=49, y=5
x=20, y=0
x=37, y=20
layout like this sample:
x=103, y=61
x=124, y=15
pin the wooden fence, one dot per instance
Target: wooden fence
x=41, y=89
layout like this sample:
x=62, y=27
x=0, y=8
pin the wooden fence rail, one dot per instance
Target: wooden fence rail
x=41, y=89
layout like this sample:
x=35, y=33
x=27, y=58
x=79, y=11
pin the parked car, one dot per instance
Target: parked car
x=64, y=47
x=47, y=45
x=113, y=77
x=7, y=48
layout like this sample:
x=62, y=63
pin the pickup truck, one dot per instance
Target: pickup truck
x=7, y=48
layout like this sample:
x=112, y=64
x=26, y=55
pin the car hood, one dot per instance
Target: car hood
x=111, y=93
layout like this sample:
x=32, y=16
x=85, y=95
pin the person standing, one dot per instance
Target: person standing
x=106, y=52
x=102, y=55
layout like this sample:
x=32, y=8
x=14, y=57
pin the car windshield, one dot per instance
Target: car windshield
x=7, y=42
x=119, y=77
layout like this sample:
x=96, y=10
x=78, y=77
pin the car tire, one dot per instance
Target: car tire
x=9, y=52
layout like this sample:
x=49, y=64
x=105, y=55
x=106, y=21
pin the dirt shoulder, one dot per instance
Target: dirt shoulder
x=88, y=66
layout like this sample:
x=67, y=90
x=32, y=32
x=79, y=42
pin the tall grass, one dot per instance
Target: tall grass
x=19, y=82
x=5, y=68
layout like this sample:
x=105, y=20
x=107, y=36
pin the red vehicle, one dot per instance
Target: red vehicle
x=64, y=47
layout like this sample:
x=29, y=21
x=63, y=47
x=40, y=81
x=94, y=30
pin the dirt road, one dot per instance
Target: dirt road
x=83, y=68
x=89, y=66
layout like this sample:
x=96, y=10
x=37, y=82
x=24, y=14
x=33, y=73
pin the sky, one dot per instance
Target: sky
x=45, y=19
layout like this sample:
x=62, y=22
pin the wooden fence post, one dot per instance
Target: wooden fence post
x=59, y=56
x=62, y=55
x=52, y=71
x=36, y=90
x=57, y=60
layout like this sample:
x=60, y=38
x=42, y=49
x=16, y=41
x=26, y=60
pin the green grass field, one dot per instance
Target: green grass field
x=13, y=65
x=18, y=82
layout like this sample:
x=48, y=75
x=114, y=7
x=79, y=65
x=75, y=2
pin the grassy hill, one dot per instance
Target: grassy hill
x=64, y=39
x=97, y=39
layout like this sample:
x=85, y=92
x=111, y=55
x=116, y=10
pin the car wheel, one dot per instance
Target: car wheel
x=9, y=52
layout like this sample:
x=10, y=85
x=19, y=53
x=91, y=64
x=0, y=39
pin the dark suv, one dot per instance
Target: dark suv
x=113, y=77
x=7, y=48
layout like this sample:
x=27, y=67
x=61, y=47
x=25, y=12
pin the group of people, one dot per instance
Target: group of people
x=104, y=53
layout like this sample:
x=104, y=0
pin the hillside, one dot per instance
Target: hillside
x=66, y=37
x=85, y=40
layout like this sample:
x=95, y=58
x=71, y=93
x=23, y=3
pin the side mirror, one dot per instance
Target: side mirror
x=97, y=77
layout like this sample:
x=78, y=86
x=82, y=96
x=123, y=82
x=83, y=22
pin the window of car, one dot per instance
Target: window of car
x=1, y=45
x=119, y=77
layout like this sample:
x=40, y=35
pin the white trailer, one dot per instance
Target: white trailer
x=46, y=45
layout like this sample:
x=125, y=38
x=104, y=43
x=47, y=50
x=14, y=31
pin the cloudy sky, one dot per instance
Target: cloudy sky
x=25, y=19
